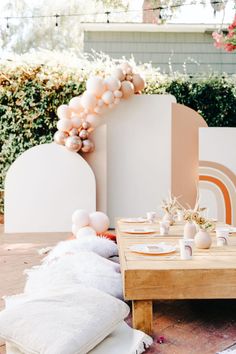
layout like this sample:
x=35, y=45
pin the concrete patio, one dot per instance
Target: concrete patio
x=188, y=327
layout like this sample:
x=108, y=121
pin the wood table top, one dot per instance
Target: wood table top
x=142, y=273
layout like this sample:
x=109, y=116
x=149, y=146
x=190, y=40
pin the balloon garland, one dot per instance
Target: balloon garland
x=83, y=113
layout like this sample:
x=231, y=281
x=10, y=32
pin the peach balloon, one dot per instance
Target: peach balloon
x=86, y=232
x=127, y=89
x=64, y=125
x=83, y=134
x=99, y=221
x=108, y=97
x=112, y=83
x=118, y=93
x=138, y=83
x=80, y=218
x=64, y=111
x=126, y=67
x=118, y=74
x=76, y=122
x=73, y=132
x=117, y=100
x=88, y=100
x=60, y=137
x=100, y=103
x=95, y=85
x=75, y=104
x=73, y=143
x=93, y=119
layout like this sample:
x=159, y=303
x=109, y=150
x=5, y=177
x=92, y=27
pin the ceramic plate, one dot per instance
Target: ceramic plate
x=133, y=220
x=139, y=230
x=153, y=248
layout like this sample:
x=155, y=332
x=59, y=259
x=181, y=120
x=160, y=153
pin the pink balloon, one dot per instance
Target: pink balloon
x=138, y=83
x=76, y=122
x=99, y=221
x=93, y=119
x=127, y=89
x=95, y=85
x=108, y=97
x=88, y=100
x=64, y=111
x=112, y=83
x=118, y=93
x=75, y=104
x=64, y=125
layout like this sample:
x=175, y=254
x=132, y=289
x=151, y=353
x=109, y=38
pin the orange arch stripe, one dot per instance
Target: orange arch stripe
x=224, y=190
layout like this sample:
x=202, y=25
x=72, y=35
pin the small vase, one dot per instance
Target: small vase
x=168, y=217
x=202, y=239
x=189, y=230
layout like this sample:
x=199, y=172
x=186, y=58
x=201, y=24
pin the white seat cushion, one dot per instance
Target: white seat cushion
x=71, y=323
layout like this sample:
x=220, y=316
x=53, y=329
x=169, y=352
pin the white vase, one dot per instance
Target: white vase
x=189, y=230
x=168, y=217
x=202, y=239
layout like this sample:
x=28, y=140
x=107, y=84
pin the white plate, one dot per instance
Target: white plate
x=133, y=220
x=153, y=248
x=139, y=230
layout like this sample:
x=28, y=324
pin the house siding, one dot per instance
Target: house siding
x=195, y=49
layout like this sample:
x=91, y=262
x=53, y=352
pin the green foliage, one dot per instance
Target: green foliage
x=30, y=95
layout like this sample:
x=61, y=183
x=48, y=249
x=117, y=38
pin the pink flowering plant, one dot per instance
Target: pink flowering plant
x=228, y=41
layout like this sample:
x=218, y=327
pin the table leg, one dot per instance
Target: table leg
x=142, y=315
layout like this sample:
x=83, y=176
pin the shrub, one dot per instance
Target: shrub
x=30, y=95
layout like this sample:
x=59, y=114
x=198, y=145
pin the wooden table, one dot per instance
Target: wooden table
x=211, y=274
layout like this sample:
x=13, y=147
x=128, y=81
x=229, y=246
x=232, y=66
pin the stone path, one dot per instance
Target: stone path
x=188, y=327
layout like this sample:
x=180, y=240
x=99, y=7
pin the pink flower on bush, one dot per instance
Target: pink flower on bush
x=228, y=42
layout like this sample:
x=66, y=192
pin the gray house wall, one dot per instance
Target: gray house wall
x=196, y=49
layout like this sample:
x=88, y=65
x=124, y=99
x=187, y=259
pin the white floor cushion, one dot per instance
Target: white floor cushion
x=71, y=323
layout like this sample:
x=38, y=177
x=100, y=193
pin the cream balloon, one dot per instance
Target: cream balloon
x=117, y=100
x=99, y=221
x=118, y=74
x=95, y=85
x=80, y=218
x=60, y=137
x=108, y=97
x=98, y=110
x=75, y=104
x=138, y=83
x=126, y=67
x=74, y=229
x=112, y=83
x=127, y=89
x=86, y=125
x=88, y=100
x=86, y=232
x=73, y=143
x=64, y=111
x=88, y=146
x=64, y=125
x=93, y=119
x=76, y=122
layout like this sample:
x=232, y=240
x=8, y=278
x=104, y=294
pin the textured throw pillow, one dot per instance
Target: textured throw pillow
x=72, y=323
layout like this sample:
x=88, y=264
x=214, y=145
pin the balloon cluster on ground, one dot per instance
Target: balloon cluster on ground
x=83, y=113
x=89, y=224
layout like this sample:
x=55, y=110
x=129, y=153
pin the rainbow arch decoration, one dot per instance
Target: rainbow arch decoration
x=217, y=173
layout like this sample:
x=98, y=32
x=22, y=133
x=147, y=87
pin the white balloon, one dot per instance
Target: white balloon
x=85, y=232
x=108, y=97
x=64, y=125
x=76, y=122
x=112, y=83
x=95, y=85
x=75, y=104
x=118, y=74
x=80, y=218
x=64, y=111
x=118, y=93
x=93, y=119
x=88, y=100
x=74, y=229
x=99, y=221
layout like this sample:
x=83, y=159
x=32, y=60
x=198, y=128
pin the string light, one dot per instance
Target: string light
x=106, y=13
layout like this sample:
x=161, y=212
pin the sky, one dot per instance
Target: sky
x=196, y=13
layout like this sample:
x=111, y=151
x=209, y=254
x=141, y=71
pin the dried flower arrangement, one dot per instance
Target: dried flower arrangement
x=170, y=205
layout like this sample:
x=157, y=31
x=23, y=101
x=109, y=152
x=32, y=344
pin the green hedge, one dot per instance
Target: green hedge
x=30, y=95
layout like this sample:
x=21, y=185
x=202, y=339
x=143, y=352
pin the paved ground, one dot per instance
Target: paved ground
x=188, y=327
